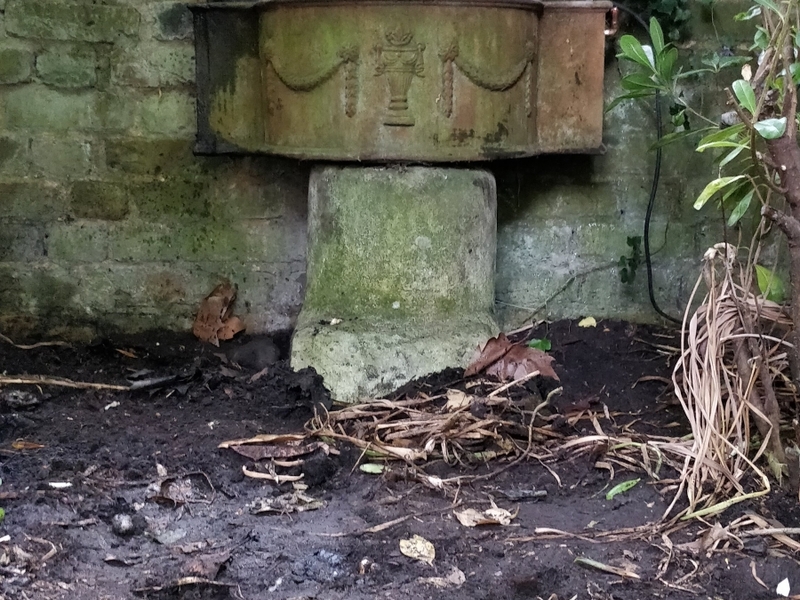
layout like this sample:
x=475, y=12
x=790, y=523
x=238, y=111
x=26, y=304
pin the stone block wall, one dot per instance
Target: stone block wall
x=108, y=222
x=107, y=219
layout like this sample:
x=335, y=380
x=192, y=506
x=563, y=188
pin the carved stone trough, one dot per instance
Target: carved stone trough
x=400, y=259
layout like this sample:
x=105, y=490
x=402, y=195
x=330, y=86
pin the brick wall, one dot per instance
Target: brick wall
x=108, y=221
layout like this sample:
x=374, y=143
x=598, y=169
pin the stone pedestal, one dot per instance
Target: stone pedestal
x=400, y=275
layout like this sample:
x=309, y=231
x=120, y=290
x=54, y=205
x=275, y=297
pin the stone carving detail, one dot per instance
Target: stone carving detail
x=347, y=59
x=486, y=79
x=400, y=60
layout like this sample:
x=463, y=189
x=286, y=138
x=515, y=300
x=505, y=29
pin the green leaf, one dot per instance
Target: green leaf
x=712, y=61
x=794, y=69
x=714, y=187
x=736, y=192
x=733, y=154
x=630, y=96
x=635, y=52
x=544, y=344
x=745, y=94
x=760, y=39
x=621, y=488
x=755, y=11
x=719, y=144
x=741, y=209
x=656, y=35
x=638, y=81
x=372, y=468
x=676, y=136
x=2, y=515
x=733, y=61
x=729, y=133
x=666, y=63
x=685, y=74
x=771, y=129
x=770, y=285
x=771, y=6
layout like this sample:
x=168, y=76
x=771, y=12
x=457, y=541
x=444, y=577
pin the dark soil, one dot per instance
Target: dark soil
x=107, y=535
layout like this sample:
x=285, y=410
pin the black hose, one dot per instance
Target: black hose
x=654, y=188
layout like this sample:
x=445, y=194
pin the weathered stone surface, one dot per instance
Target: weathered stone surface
x=175, y=199
x=15, y=65
x=175, y=224
x=99, y=200
x=141, y=156
x=198, y=241
x=167, y=114
x=20, y=240
x=154, y=64
x=13, y=156
x=61, y=158
x=44, y=109
x=56, y=20
x=397, y=241
x=69, y=66
x=33, y=201
x=174, y=21
x=39, y=108
x=405, y=258
x=368, y=357
x=78, y=242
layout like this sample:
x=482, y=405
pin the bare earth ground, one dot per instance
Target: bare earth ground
x=62, y=544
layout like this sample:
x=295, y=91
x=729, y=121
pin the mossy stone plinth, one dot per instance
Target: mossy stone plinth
x=405, y=258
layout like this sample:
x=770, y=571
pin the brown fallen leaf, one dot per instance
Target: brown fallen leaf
x=214, y=320
x=492, y=351
x=255, y=452
x=207, y=565
x=509, y=362
x=520, y=361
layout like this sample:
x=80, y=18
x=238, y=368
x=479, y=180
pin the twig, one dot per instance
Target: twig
x=522, y=379
x=32, y=346
x=60, y=381
x=772, y=531
x=388, y=524
x=563, y=288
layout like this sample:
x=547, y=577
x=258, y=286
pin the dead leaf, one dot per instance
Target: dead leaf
x=214, y=320
x=509, y=362
x=456, y=578
x=418, y=548
x=520, y=361
x=230, y=328
x=287, y=503
x=256, y=452
x=457, y=400
x=588, y=322
x=193, y=487
x=707, y=540
x=491, y=516
x=265, y=438
x=208, y=565
x=492, y=351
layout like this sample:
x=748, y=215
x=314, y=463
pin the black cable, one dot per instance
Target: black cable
x=654, y=188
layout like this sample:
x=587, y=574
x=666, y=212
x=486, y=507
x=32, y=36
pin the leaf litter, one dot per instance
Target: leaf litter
x=533, y=434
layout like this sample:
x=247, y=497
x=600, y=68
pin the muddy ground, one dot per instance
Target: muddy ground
x=86, y=516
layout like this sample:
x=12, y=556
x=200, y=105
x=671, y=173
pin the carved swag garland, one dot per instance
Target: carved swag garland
x=400, y=61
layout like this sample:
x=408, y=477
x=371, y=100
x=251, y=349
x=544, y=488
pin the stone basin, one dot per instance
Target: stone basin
x=401, y=258
x=400, y=80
